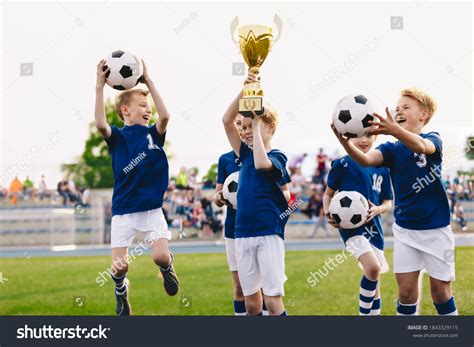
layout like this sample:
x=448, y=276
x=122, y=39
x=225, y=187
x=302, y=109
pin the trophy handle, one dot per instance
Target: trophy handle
x=279, y=24
x=233, y=27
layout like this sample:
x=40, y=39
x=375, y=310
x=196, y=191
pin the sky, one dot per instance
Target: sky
x=326, y=51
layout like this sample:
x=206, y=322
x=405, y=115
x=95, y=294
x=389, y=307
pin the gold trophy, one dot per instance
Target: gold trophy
x=255, y=42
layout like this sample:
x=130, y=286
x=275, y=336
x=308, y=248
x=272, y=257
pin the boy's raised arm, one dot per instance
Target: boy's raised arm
x=231, y=130
x=100, y=120
x=371, y=158
x=163, y=114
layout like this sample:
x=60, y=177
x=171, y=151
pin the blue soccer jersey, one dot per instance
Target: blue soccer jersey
x=140, y=168
x=373, y=183
x=228, y=164
x=260, y=200
x=420, y=199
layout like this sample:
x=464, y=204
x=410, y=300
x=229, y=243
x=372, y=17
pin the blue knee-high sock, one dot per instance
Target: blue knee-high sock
x=376, y=307
x=366, y=295
x=406, y=309
x=119, y=281
x=448, y=308
x=239, y=308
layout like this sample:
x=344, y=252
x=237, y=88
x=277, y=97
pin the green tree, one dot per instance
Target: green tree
x=211, y=175
x=93, y=168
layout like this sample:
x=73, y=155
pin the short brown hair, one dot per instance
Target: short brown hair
x=125, y=97
x=425, y=100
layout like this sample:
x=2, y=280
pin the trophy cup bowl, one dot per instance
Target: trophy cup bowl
x=255, y=42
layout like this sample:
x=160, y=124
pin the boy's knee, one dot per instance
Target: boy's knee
x=373, y=271
x=440, y=294
x=163, y=259
x=119, y=269
x=407, y=295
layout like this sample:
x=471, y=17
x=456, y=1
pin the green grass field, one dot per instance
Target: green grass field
x=48, y=286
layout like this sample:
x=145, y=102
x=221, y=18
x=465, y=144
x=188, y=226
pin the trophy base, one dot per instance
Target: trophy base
x=249, y=104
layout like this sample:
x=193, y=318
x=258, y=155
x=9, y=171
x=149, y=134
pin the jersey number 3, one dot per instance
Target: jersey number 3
x=422, y=162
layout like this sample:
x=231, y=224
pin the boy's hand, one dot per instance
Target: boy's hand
x=145, y=79
x=342, y=139
x=101, y=73
x=331, y=221
x=373, y=211
x=384, y=126
x=251, y=78
x=220, y=201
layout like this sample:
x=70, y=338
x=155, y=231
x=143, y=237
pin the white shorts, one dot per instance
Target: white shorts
x=358, y=245
x=152, y=223
x=230, y=251
x=261, y=264
x=430, y=249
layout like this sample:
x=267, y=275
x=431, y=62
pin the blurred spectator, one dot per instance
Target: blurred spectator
x=16, y=187
x=28, y=188
x=182, y=179
x=65, y=192
x=318, y=180
x=295, y=162
x=459, y=216
x=314, y=210
x=297, y=183
x=43, y=189
x=321, y=159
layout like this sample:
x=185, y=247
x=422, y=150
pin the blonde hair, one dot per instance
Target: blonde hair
x=425, y=100
x=125, y=97
x=270, y=117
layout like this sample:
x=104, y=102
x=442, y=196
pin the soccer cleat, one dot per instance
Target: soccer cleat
x=170, y=280
x=123, y=304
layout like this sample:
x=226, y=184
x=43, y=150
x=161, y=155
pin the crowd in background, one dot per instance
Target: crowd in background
x=66, y=192
x=188, y=203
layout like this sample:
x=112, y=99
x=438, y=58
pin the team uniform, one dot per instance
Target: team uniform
x=422, y=230
x=140, y=168
x=227, y=165
x=374, y=184
x=260, y=224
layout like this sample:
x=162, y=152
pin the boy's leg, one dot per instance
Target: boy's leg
x=118, y=272
x=442, y=297
x=239, y=300
x=377, y=303
x=407, y=293
x=369, y=282
x=271, y=263
x=164, y=259
x=249, y=275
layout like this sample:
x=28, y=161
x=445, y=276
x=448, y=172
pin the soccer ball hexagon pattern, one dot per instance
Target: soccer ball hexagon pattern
x=349, y=209
x=125, y=70
x=229, y=191
x=352, y=115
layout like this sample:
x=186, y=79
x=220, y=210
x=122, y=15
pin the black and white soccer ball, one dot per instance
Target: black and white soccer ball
x=352, y=115
x=349, y=209
x=229, y=190
x=125, y=70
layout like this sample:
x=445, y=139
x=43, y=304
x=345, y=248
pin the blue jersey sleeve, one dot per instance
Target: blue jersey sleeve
x=437, y=142
x=221, y=175
x=160, y=139
x=279, y=171
x=386, y=191
x=112, y=140
x=335, y=175
x=388, y=152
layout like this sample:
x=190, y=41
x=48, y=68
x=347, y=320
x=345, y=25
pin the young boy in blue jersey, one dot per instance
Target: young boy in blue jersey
x=422, y=230
x=262, y=199
x=140, y=168
x=365, y=243
x=227, y=165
